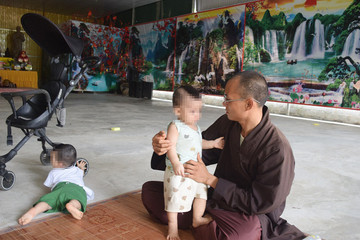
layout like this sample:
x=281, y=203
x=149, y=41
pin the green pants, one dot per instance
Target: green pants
x=62, y=193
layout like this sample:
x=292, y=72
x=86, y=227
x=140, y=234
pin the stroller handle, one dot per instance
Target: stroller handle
x=90, y=62
x=84, y=64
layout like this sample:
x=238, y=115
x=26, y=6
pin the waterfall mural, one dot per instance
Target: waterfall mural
x=152, y=49
x=309, y=51
x=209, y=48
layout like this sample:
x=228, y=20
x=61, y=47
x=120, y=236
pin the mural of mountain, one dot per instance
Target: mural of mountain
x=160, y=52
x=267, y=20
x=208, y=49
x=152, y=45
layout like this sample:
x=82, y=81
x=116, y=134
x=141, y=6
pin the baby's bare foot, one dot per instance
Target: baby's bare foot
x=27, y=217
x=173, y=237
x=173, y=233
x=201, y=221
x=76, y=213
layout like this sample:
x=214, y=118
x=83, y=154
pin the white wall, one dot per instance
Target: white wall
x=341, y=115
x=203, y=5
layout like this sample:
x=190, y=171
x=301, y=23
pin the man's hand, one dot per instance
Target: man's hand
x=160, y=144
x=198, y=172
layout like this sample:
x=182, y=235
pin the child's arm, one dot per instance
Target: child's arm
x=172, y=136
x=217, y=143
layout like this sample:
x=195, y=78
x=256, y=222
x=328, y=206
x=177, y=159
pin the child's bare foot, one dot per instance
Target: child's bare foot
x=32, y=212
x=201, y=221
x=74, y=211
x=173, y=233
x=27, y=217
x=173, y=237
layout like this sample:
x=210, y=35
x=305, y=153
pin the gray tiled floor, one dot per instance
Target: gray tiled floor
x=324, y=199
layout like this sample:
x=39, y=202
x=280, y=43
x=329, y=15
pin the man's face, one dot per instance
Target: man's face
x=233, y=102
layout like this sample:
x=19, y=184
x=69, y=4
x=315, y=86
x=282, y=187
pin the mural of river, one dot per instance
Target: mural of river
x=298, y=82
x=301, y=70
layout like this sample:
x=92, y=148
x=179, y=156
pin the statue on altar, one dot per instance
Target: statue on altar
x=17, y=40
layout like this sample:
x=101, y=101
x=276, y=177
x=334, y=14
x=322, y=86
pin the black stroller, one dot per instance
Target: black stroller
x=39, y=105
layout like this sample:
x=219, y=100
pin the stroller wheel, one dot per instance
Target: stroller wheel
x=86, y=165
x=45, y=157
x=7, y=181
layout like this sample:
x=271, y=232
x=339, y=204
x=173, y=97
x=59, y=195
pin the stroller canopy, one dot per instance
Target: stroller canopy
x=49, y=37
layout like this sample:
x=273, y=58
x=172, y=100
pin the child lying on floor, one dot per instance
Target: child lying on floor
x=68, y=193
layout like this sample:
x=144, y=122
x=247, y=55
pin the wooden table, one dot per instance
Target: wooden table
x=25, y=79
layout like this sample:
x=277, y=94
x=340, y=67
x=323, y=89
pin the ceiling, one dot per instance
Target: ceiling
x=80, y=8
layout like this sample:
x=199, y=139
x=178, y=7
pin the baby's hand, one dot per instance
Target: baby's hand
x=81, y=164
x=219, y=143
x=179, y=169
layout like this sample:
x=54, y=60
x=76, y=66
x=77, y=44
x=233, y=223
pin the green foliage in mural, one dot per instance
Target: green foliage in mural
x=182, y=38
x=328, y=71
x=147, y=66
x=267, y=21
x=291, y=27
x=233, y=57
x=251, y=51
x=276, y=22
x=217, y=36
x=334, y=86
x=257, y=27
x=328, y=20
x=344, y=25
x=185, y=33
x=295, y=97
x=264, y=56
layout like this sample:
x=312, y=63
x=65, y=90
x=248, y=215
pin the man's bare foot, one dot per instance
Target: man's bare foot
x=75, y=212
x=27, y=217
x=201, y=221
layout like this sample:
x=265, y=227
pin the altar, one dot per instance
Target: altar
x=22, y=79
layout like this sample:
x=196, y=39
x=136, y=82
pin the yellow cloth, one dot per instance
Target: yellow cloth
x=26, y=79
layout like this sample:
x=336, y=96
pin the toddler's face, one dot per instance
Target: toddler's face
x=54, y=159
x=190, y=110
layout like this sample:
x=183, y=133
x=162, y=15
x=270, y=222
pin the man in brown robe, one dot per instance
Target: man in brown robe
x=254, y=172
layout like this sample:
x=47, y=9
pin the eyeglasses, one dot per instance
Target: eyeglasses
x=226, y=100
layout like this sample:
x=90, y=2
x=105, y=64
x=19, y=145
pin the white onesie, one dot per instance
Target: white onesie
x=179, y=192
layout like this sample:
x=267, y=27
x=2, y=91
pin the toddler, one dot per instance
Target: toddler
x=181, y=192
